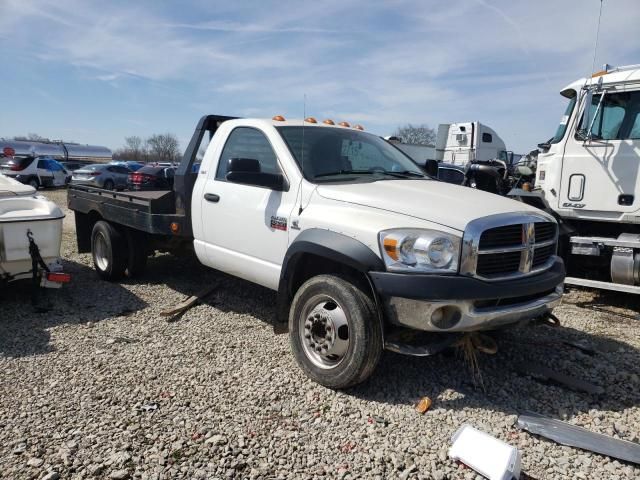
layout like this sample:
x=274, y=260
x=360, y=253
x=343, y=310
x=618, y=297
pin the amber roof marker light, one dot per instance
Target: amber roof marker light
x=278, y=118
x=358, y=127
x=344, y=124
x=310, y=120
x=328, y=121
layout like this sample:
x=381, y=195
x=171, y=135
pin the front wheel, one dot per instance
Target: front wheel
x=108, y=185
x=335, y=333
x=33, y=182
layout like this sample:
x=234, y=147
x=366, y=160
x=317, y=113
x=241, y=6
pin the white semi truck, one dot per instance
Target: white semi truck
x=458, y=144
x=588, y=176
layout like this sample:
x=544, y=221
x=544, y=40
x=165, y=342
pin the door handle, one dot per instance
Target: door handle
x=211, y=197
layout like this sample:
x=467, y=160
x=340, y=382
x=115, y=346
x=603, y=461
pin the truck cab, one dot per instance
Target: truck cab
x=588, y=174
x=361, y=246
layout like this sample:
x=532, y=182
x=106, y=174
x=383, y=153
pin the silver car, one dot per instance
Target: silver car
x=109, y=177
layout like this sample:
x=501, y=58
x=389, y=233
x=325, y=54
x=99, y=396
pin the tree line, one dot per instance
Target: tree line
x=159, y=147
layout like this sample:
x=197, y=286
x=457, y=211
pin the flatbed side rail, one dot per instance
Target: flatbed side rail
x=152, y=215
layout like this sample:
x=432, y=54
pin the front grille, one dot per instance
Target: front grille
x=545, y=232
x=517, y=248
x=501, y=237
x=542, y=254
x=489, y=265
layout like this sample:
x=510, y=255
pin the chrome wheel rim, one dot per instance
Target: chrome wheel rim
x=324, y=332
x=100, y=250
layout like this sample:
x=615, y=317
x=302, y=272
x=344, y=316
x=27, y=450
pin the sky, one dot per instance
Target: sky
x=95, y=71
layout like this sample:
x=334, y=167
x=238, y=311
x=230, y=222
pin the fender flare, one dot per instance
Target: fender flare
x=326, y=244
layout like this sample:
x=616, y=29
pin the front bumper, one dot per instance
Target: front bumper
x=439, y=303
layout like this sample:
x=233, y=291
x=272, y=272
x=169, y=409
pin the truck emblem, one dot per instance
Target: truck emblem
x=574, y=205
x=279, y=223
x=528, y=240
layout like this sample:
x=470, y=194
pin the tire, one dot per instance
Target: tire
x=321, y=309
x=109, y=251
x=136, y=253
x=108, y=185
x=33, y=182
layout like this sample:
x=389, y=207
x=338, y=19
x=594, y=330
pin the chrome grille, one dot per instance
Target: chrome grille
x=509, y=246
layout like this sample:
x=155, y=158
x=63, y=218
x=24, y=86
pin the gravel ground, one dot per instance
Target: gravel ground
x=231, y=402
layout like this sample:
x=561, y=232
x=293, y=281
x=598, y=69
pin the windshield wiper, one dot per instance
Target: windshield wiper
x=405, y=174
x=402, y=174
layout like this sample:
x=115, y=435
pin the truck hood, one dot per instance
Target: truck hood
x=450, y=205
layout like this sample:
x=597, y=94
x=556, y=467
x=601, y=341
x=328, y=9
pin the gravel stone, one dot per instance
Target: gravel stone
x=232, y=403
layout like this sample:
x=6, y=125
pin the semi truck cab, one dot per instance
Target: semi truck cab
x=588, y=175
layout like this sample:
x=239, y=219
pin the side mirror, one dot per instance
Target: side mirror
x=247, y=165
x=431, y=167
x=247, y=171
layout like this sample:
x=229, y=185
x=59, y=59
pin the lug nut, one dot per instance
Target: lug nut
x=318, y=349
x=306, y=335
x=328, y=328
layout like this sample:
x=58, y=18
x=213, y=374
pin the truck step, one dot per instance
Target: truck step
x=617, y=287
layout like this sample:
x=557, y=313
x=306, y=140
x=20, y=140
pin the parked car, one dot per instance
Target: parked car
x=72, y=166
x=35, y=171
x=102, y=175
x=152, y=178
x=130, y=164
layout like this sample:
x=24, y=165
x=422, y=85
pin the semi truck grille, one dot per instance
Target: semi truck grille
x=522, y=245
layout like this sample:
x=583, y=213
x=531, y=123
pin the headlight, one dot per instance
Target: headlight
x=417, y=250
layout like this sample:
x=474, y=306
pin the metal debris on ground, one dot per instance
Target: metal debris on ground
x=148, y=407
x=423, y=405
x=566, y=434
x=546, y=373
x=487, y=455
x=189, y=302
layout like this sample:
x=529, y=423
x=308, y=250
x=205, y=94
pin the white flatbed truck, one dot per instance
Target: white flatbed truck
x=356, y=240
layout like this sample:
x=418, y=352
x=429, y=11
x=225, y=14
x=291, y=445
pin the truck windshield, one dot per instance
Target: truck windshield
x=330, y=154
x=564, y=121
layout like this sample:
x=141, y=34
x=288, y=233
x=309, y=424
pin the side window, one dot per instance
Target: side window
x=54, y=166
x=169, y=172
x=245, y=142
x=42, y=164
x=123, y=170
x=616, y=118
x=487, y=137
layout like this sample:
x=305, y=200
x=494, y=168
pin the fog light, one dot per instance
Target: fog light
x=445, y=317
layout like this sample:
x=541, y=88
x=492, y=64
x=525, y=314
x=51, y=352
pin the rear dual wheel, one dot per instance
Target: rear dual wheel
x=117, y=252
x=335, y=333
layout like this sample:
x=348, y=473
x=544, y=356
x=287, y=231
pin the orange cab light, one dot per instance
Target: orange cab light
x=358, y=127
x=328, y=121
x=344, y=124
x=391, y=247
x=278, y=118
x=526, y=186
x=175, y=227
x=310, y=120
x=599, y=74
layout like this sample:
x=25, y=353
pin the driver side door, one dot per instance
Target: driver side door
x=245, y=227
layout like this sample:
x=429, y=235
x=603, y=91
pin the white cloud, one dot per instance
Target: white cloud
x=382, y=63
